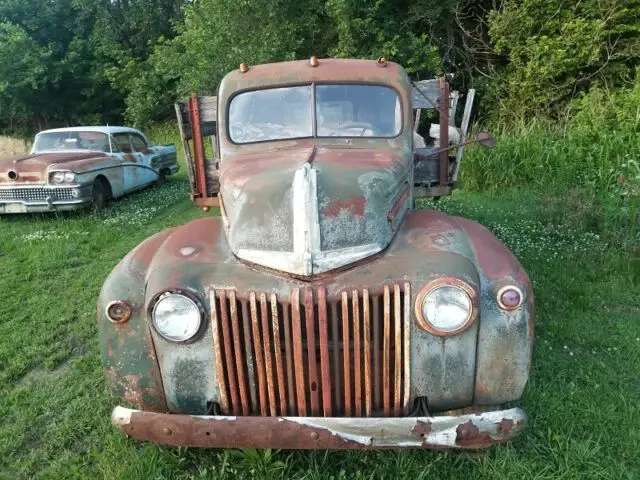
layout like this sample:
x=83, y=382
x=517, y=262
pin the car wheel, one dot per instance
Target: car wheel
x=162, y=177
x=99, y=195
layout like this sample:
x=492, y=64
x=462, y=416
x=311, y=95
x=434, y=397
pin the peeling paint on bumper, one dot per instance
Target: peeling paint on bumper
x=464, y=431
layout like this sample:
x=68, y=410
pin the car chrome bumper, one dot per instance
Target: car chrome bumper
x=43, y=207
x=464, y=431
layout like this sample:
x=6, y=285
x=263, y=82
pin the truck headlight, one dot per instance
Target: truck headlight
x=446, y=307
x=176, y=317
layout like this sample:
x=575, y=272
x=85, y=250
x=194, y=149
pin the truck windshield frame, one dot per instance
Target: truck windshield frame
x=315, y=110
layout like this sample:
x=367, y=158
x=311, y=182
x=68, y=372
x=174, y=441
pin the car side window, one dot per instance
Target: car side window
x=139, y=145
x=115, y=146
x=122, y=139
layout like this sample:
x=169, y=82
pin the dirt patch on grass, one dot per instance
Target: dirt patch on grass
x=39, y=374
x=10, y=147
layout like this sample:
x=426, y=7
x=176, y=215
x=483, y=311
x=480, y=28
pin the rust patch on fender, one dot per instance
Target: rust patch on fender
x=353, y=205
x=132, y=389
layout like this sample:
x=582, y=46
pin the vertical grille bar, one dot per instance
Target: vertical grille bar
x=407, y=346
x=377, y=385
x=237, y=346
x=386, y=356
x=311, y=351
x=217, y=347
x=335, y=338
x=266, y=338
x=367, y=352
x=357, y=379
x=298, y=362
x=397, y=382
x=325, y=369
x=257, y=345
x=346, y=347
x=248, y=348
x=275, y=322
x=228, y=353
x=287, y=350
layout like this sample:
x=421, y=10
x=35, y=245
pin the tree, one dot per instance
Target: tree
x=23, y=71
x=555, y=50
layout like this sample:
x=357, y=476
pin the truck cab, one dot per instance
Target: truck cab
x=320, y=309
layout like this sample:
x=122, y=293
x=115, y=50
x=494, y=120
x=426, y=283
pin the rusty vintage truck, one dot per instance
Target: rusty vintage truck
x=320, y=309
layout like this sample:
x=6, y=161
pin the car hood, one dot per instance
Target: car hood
x=33, y=167
x=308, y=210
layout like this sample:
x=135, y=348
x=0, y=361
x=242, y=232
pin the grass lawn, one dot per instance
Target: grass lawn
x=583, y=398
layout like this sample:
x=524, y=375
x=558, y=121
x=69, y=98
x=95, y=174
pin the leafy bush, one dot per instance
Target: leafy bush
x=552, y=51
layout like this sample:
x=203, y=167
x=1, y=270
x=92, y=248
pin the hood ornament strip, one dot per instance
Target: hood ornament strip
x=307, y=258
x=306, y=224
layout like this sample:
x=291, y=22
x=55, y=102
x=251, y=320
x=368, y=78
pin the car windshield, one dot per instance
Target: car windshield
x=341, y=111
x=74, y=140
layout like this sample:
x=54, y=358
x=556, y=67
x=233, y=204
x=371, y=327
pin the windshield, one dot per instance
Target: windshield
x=341, y=111
x=75, y=140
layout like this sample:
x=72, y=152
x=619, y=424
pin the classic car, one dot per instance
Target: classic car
x=321, y=309
x=71, y=168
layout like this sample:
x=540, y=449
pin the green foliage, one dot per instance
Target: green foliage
x=73, y=61
x=374, y=28
x=105, y=60
x=216, y=37
x=592, y=159
x=552, y=51
x=23, y=70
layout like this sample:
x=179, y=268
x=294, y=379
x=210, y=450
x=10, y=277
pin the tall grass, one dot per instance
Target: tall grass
x=10, y=146
x=586, y=169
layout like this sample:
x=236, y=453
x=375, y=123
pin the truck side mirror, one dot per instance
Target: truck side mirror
x=485, y=140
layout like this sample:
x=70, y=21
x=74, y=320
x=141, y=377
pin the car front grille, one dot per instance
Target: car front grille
x=36, y=194
x=312, y=356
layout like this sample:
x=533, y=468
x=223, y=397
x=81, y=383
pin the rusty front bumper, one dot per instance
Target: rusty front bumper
x=464, y=431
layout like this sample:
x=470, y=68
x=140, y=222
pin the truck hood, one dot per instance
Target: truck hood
x=309, y=210
x=34, y=167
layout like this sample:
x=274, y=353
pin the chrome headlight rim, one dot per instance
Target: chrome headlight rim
x=189, y=296
x=430, y=287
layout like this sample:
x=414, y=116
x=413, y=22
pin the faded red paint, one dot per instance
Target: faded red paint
x=352, y=206
x=33, y=167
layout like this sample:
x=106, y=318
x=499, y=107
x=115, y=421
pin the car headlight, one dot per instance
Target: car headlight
x=58, y=178
x=446, y=307
x=176, y=317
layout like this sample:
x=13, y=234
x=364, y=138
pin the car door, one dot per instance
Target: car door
x=131, y=162
x=144, y=155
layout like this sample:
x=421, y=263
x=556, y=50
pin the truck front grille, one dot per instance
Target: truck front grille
x=35, y=194
x=312, y=356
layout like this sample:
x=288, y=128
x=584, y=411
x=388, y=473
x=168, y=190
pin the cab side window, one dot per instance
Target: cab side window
x=122, y=139
x=138, y=143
